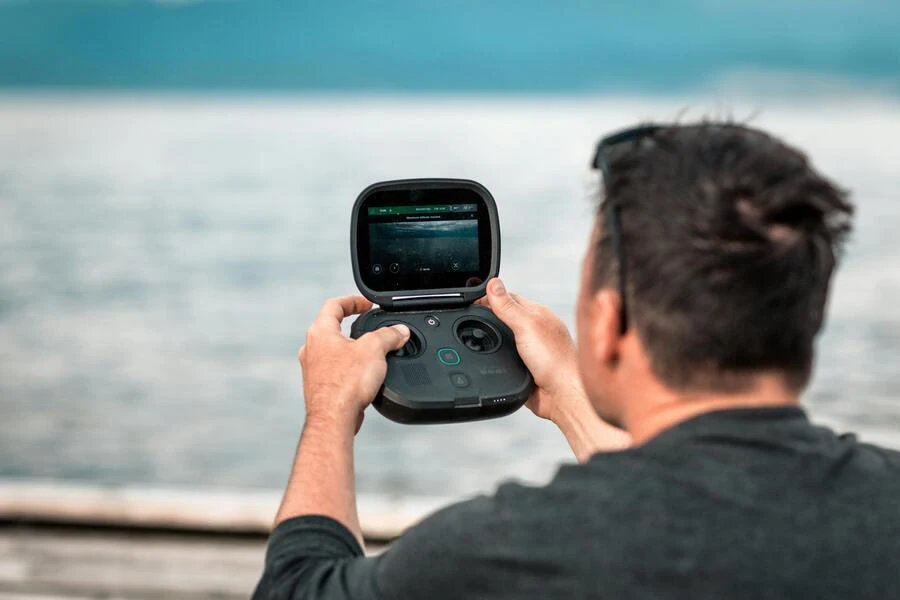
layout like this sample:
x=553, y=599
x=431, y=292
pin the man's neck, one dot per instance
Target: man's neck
x=665, y=409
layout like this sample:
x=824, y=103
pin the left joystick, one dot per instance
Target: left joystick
x=413, y=346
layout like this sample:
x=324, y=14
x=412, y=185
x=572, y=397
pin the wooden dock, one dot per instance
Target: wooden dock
x=70, y=542
x=44, y=563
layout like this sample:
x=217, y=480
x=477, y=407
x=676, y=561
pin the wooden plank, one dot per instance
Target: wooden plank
x=27, y=596
x=238, y=511
x=73, y=564
x=65, y=564
x=79, y=542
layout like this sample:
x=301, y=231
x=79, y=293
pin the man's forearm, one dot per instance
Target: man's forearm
x=587, y=433
x=322, y=478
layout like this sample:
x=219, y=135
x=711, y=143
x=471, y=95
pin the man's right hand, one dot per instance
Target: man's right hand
x=547, y=349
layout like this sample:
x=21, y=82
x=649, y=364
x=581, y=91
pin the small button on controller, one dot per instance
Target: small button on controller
x=432, y=321
x=448, y=356
x=459, y=380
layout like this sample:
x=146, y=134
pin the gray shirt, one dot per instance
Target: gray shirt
x=746, y=503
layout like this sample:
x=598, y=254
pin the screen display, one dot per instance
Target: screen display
x=418, y=245
x=424, y=241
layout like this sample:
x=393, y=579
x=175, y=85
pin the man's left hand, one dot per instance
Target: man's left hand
x=341, y=376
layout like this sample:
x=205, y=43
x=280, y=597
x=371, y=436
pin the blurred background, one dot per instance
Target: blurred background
x=176, y=179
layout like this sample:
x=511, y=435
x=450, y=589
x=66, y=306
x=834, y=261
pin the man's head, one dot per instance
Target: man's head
x=728, y=239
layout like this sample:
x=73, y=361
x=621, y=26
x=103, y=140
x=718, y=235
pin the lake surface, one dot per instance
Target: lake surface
x=161, y=257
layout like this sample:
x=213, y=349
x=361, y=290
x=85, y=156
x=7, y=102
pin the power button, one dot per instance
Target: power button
x=432, y=321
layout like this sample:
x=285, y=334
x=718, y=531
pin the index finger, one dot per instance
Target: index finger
x=335, y=310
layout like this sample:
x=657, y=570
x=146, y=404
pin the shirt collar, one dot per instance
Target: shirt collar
x=752, y=422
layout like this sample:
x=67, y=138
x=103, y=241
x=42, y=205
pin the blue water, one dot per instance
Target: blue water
x=161, y=257
x=452, y=45
x=176, y=179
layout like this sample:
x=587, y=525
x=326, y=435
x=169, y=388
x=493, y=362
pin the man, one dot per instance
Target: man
x=703, y=288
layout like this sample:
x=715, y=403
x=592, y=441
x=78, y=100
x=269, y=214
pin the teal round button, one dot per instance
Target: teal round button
x=448, y=356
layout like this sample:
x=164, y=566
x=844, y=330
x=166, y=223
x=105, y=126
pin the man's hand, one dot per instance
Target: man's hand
x=547, y=349
x=341, y=376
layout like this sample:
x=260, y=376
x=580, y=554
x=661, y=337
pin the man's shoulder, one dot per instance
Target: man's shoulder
x=576, y=491
x=875, y=469
x=486, y=541
x=595, y=490
x=888, y=456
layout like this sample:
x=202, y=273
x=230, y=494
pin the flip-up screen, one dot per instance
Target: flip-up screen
x=423, y=239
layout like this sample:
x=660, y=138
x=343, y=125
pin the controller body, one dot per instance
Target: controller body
x=460, y=364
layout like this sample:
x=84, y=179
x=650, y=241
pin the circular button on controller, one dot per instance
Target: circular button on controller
x=377, y=269
x=459, y=380
x=432, y=321
x=448, y=356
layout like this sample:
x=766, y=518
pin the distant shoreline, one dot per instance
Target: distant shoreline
x=770, y=87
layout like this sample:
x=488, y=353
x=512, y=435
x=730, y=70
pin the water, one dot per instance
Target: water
x=160, y=258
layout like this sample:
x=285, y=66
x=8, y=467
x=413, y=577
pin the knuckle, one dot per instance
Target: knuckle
x=508, y=305
x=316, y=331
x=308, y=340
x=395, y=338
x=372, y=341
x=316, y=336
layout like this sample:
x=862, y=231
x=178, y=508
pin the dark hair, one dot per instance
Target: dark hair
x=730, y=238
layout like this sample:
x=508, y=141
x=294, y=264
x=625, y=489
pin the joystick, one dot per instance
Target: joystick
x=460, y=362
x=478, y=336
x=413, y=346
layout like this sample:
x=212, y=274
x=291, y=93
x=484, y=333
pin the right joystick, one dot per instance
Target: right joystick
x=477, y=335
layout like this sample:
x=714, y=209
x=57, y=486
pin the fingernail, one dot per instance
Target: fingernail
x=403, y=329
x=497, y=287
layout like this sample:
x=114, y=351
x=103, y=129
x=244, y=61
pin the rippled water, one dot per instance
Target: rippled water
x=160, y=259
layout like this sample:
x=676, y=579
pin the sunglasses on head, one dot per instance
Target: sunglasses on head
x=612, y=216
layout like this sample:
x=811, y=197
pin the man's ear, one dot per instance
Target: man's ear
x=605, y=323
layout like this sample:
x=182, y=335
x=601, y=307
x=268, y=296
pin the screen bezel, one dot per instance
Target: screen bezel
x=488, y=233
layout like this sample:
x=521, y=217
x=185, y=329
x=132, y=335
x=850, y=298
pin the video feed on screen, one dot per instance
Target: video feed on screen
x=424, y=247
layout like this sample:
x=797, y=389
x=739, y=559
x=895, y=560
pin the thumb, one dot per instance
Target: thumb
x=505, y=305
x=386, y=339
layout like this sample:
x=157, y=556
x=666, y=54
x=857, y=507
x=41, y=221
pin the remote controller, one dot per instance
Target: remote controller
x=423, y=250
